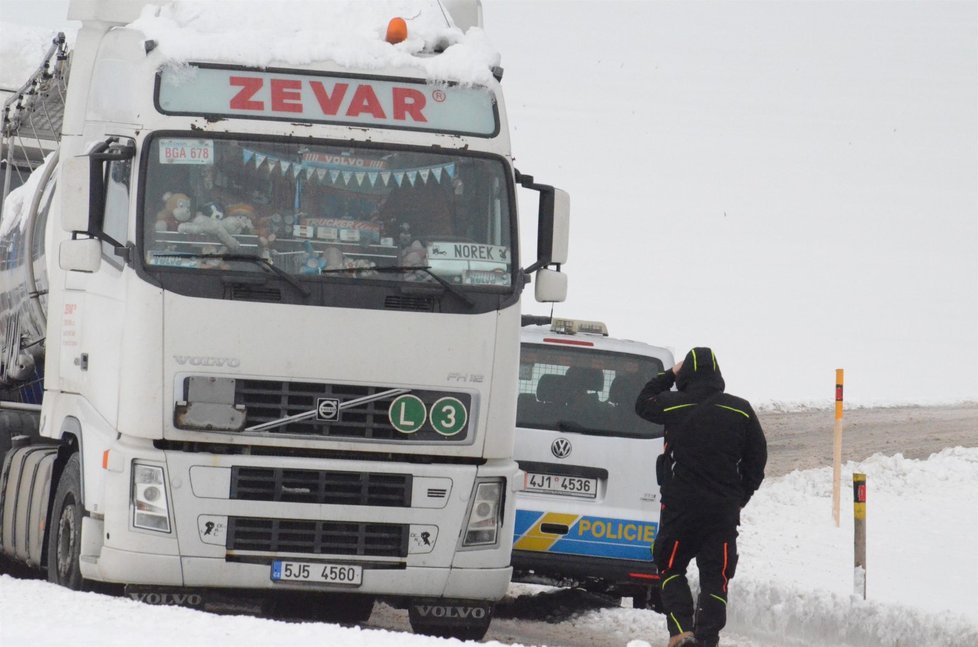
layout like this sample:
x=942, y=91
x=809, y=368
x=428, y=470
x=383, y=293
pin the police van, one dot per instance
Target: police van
x=589, y=508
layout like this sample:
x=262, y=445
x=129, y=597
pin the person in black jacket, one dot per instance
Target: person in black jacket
x=712, y=463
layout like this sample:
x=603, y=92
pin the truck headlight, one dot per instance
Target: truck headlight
x=485, y=514
x=152, y=511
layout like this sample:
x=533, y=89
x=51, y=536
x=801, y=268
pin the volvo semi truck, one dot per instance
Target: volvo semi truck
x=259, y=326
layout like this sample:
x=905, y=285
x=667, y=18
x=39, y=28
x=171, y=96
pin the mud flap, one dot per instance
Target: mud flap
x=465, y=619
x=202, y=599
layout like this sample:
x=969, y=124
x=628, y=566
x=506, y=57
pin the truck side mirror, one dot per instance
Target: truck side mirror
x=85, y=177
x=554, y=231
x=553, y=223
x=553, y=236
x=80, y=255
x=551, y=286
x=74, y=194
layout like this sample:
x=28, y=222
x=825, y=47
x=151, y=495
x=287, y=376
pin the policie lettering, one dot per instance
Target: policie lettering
x=286, y=95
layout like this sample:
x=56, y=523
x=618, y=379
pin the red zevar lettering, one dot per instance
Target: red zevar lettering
x=364, y=100
x=329, y=104
x=249, y=86
x=407, y=104
x=408, y=101
x=286, y=95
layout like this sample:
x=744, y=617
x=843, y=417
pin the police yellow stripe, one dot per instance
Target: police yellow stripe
x=536, y=540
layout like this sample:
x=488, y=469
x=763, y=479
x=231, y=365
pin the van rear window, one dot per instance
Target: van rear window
x=584, y=391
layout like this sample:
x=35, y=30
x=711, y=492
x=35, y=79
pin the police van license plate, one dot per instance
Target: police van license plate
x=565, y=485
x=317, y=572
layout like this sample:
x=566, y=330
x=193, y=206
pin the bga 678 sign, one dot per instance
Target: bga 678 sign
x=364, y=101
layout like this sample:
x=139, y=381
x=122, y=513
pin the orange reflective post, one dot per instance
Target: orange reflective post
x=837, y=447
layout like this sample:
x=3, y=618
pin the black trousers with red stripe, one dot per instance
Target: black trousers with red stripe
x=710, y=536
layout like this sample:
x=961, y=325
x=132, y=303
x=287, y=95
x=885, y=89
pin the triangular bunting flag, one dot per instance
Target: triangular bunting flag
x=372, y=178
x=334, y=176
x=398, y=178
x=386, y=177
x=412, y=177
x=425, y=172
x=347, y=175
x=437, y=173
x=360, y=175
x=246, y=155
x=450, y=169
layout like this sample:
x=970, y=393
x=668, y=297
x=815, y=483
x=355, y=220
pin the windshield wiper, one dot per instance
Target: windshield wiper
x=262, y=262
x=400, y=269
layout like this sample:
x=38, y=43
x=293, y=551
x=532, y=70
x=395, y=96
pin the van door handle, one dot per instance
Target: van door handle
x=554, y=528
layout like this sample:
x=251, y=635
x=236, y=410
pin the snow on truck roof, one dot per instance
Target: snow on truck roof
x=296, y=33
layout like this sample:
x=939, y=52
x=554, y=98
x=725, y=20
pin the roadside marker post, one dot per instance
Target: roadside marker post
x=859, y=534
x=837, y=447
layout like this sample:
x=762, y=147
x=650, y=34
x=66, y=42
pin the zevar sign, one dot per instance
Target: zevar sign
x=290, y=95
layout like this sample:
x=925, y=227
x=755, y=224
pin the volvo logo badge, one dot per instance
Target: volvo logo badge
x=561, y=448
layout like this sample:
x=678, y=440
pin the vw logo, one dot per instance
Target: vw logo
x=561, y=448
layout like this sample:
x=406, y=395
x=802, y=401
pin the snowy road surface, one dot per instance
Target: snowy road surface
x=793, y=586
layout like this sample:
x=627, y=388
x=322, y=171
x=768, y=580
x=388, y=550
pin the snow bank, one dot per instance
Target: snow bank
x=793, y=587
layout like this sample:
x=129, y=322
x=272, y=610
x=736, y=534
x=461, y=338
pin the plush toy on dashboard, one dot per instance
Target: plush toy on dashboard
x=270, y=228
x=311, y=262
x=210, y=220
x=239, y=219
x=176, y=210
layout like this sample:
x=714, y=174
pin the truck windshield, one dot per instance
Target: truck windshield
x=336, y=212
x=584, y=391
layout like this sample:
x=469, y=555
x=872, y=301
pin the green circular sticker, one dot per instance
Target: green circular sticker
x=407, y=413
x=448, y=416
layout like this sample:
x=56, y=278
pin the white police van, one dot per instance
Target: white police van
x=589, y=509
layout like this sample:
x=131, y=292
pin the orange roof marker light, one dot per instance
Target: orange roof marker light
x=396, y=31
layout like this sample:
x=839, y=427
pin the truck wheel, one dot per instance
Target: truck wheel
x=64, y=536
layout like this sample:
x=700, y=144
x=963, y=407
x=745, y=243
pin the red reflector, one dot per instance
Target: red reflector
x=570, y=342
x=643, y=576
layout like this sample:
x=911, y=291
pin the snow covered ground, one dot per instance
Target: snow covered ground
x=794, y=585
x=796, y=184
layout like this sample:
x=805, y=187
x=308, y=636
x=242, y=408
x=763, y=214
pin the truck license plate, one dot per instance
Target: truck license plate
x=565, y=485
x=317, y=572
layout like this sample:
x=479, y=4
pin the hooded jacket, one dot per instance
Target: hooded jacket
x=715, y=449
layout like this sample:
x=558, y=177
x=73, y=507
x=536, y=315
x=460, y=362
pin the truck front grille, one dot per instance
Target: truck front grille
x=317, y=537
x=271, y=400
x=317, y=486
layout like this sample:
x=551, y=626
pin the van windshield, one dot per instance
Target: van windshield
x=584, y=391
x=327, y=212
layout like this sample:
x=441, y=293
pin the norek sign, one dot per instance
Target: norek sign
x=322, y=98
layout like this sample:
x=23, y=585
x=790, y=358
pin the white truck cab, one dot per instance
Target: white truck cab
x=589, y=509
